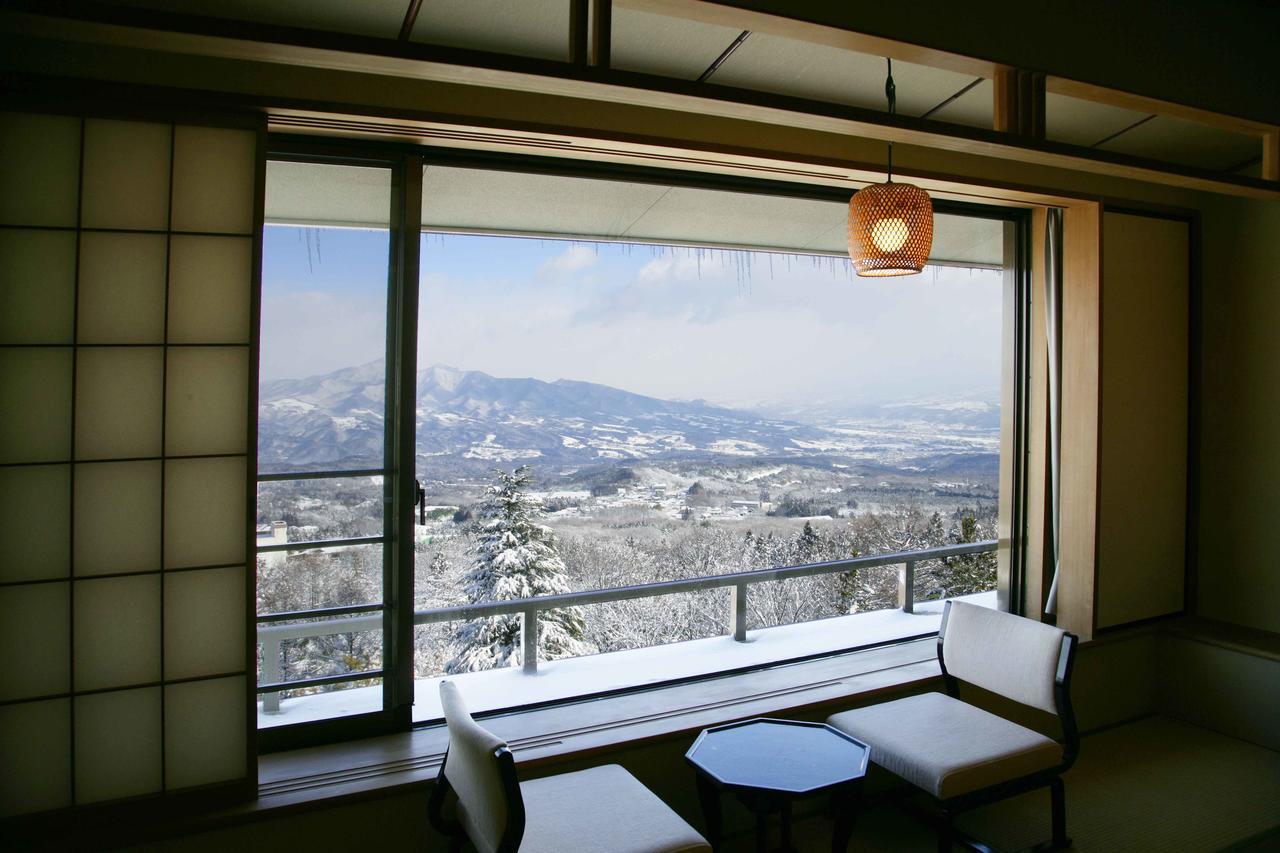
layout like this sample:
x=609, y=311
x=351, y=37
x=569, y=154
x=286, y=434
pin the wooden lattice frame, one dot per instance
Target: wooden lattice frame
x=890, y=229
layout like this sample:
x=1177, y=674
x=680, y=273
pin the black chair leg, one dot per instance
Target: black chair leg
x=1058, y=799
x=946, y=832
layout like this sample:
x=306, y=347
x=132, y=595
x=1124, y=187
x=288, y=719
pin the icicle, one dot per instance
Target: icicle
x=310, y=265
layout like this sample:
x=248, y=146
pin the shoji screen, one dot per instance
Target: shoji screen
x=127, y=363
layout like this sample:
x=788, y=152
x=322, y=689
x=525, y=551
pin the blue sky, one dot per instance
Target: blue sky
x=732, y=327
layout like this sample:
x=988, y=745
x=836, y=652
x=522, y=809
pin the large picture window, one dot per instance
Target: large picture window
x=322, y=490
x=620, y=381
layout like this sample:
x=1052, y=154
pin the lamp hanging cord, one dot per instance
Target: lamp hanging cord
x=891, y=94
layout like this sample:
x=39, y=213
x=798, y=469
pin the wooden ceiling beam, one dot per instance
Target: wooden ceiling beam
x=410, y=19
x=600, y=50
x=120, y=27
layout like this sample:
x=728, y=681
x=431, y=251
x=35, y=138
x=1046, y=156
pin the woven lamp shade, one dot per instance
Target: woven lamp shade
x=890, y=229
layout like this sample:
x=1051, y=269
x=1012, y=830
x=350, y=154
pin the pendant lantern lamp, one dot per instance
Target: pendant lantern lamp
x=890, y=225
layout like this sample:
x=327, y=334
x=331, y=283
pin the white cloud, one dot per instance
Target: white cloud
x=308, y=333
x=683, y=265
x=799, y=331
x=670, y=322
x=571, y=260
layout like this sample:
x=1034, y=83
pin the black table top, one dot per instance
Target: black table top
x=779, y=755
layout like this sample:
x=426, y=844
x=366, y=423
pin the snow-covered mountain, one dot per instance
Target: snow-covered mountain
x=471, y=421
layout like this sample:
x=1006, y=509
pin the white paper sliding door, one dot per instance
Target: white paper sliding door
x=128, y=269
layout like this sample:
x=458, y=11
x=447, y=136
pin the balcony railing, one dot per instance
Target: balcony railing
x=271, y=633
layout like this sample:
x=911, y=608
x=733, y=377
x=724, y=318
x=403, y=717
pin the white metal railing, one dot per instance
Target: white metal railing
x=272, y=634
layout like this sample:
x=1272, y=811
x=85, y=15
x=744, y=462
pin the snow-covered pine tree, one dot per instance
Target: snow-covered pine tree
x=514, y=557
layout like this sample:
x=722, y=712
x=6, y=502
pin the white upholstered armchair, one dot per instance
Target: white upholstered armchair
x=961, y=755
x=600, y=809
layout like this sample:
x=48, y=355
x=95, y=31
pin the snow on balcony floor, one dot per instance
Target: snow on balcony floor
x=569, y=677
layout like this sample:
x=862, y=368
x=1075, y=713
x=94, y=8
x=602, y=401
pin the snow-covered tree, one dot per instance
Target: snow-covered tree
x=970, y=573
x=514, y=557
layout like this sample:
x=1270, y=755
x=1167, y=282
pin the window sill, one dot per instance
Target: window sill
x=318, y=777
x=308, y=777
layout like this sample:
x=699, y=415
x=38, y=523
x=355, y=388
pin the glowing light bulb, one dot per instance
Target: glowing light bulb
x=889, y=235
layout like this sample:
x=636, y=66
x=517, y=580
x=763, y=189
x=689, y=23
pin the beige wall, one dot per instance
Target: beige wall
x=1239, y=448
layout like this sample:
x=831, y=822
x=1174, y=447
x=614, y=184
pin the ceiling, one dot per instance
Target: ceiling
x=686, y=49
x=538, y=28
x=672, y=47
x=1109, y=128
x=377, y=18
x=520, y=203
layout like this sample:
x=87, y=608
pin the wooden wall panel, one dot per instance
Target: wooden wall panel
x=1081, y=321
x=1143, y=453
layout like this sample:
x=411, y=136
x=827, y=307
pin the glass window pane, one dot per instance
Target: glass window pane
x=322, y=407
x=315, y=577
x=294, y=651
x=318, y=648
x=660, y=412
x=319, y=509
x=321, y=703
x=323, y=378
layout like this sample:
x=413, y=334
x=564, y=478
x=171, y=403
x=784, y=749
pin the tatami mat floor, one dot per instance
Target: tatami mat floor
x=1152, y=785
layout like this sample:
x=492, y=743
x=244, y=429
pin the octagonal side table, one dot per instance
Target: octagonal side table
x=769, y=764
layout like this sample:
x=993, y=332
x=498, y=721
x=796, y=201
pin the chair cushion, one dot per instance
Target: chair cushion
x=603, y=809
x=945, y=746
x=472, y=771
x=1003, y=653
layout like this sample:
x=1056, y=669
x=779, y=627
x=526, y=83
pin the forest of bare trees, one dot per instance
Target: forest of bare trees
x=456, y=564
